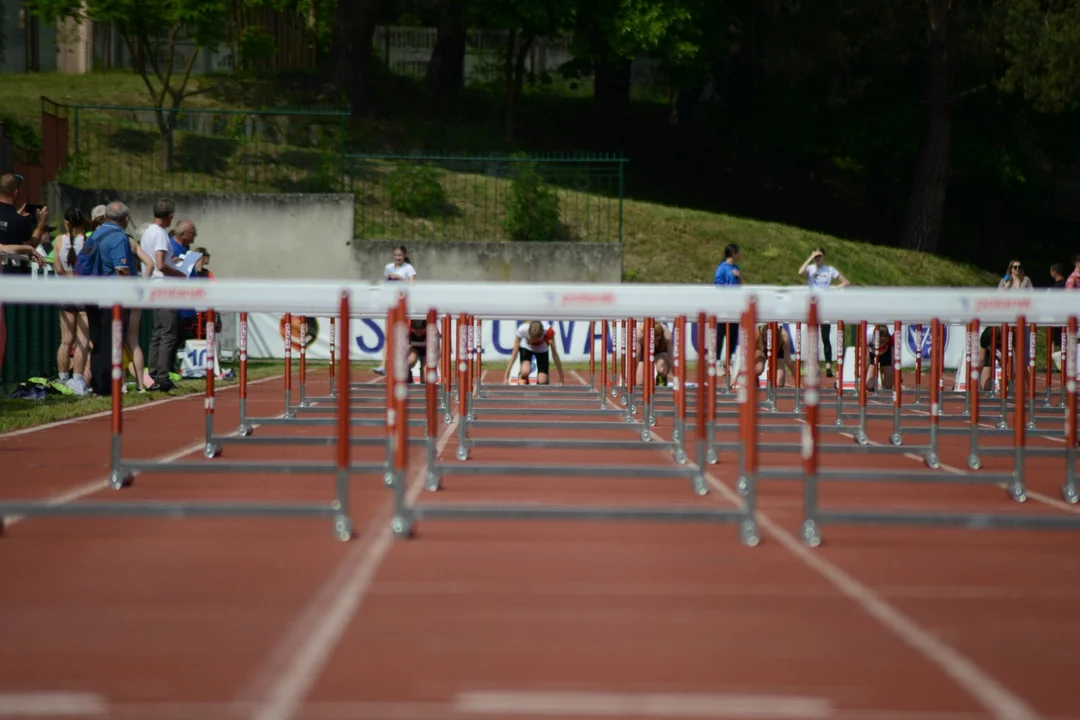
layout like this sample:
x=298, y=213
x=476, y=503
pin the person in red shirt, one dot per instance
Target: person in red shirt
x=1073, y=281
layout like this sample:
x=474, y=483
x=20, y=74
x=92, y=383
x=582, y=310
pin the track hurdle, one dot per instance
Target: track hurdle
x=166, y=294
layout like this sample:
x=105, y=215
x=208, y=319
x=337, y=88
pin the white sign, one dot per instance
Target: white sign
x=266, y=339
x=193, y=364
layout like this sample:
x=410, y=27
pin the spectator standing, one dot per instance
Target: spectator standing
x=17, y=228
x=1015, y=278
x=166, y=335
x=1073, y=281
x=73, y=355
x=400, y=270
x=727, y=275
x=1057, y=274
x=820, y=276
x=114, y=258
x=190, y=324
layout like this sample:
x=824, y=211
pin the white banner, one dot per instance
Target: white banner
x=266, y=339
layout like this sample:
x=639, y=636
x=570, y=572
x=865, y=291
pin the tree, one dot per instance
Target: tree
x=929, y=186
x=152, y=30
x=352, y=47
x=524, y=21
x=1041, y=48
x=609, y=34
x=446, y=68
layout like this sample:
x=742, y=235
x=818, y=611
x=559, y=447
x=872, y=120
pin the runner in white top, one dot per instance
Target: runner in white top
x=820, y=277
x=401, y=270
x=533, y=341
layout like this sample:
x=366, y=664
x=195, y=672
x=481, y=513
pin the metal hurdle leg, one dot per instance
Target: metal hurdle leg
x=244, y=430
x=289, y=413
x=1070, y=377
x=463, y=390
x=811, y=534
x=118, y=476
x=210, y=449
x=342, y=518
x=303, y=362
x=974, y=372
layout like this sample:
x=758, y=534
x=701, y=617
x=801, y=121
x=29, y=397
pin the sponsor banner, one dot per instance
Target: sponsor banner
x=266, y=339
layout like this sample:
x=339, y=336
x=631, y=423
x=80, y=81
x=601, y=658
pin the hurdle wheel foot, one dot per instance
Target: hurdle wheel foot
x=245, y=431
x=388, y=479
x=973, y=462
x=932, y=461
x=680, y=457
x=119, y=480
x=1069, y=494
x=343, y=530
x=645, y=436
x=861, y=439
x=742, y=486
x=211, y=451
x=433, y=482
x=289, y=415
x=462, y=453
x=448, y=418
x=811, y=536
x=839, y=422
x=711, y=457
x=748, y=534
x=652, y=421
x=700, y=486
x=896, y=439
x=1017, y=493
x=402, y=527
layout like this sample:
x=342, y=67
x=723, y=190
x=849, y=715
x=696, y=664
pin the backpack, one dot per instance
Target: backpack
x=88, y=261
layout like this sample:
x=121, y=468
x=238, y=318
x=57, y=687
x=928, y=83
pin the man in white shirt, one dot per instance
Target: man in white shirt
x=156, y=244
x=820, y=277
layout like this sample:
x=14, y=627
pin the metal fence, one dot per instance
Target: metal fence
x=487, y=198
x=204, y=150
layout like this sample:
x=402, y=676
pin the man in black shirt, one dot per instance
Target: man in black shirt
x=17, y=228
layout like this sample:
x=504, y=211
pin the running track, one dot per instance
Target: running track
x=275, y=620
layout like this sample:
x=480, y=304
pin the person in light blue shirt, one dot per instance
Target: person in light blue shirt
x=728, y=274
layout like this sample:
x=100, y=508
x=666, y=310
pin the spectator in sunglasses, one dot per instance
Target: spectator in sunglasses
x=1015, y=279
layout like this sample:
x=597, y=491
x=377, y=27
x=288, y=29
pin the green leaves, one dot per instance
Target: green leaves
x=1042, y=51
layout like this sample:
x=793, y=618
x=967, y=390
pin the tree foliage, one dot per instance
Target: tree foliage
x=1042, y=49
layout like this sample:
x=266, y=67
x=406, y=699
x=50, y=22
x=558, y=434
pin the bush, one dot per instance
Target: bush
x=415, y=190
x=532, y=210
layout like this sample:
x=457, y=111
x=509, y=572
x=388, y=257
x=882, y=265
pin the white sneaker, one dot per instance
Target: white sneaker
x=380, y=370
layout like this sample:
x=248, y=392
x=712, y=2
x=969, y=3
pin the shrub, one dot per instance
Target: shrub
x=415, y=190
x=532, y=210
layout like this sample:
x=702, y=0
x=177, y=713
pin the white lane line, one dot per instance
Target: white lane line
x=133, y=408
x=981, y=686
x=94, y=486
x=101, y=484
x=654, y=705
x=52, y=704
x=297, y=663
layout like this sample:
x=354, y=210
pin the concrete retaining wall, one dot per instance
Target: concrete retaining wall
x=311, y=236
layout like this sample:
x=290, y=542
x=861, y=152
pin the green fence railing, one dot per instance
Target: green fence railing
x=207, y=150
x=487, y=198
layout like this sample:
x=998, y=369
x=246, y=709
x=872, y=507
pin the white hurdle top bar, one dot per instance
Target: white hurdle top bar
x=515, y=301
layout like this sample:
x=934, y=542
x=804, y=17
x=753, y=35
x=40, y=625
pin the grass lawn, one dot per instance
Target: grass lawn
x=18, y=414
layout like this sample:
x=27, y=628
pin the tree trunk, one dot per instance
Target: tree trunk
x=351, y=50
x=611, y=93
x=446, y=69
x=926, y=204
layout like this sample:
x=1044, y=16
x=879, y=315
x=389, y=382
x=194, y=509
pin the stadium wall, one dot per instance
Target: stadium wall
x=311, y=236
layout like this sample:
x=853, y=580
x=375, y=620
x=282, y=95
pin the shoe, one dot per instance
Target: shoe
x=828, y=372
x=380, y=370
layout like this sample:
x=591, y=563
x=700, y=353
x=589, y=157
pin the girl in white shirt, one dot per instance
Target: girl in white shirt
x=73, y=355
x=533, y=341
x=401, y=270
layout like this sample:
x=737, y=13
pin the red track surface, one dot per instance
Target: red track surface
x=274, y=619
